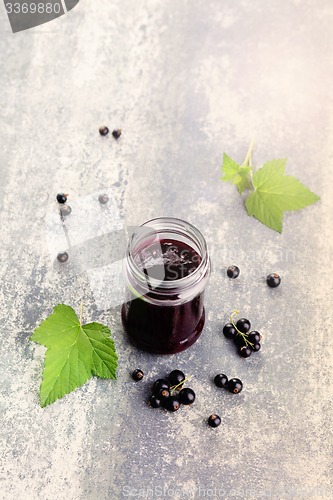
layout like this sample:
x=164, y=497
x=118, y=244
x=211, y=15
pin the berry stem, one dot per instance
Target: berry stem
x=174, y=387
x=231, y=318
x=244, y=335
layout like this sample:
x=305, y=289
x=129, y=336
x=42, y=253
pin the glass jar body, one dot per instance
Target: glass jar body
x=166, y=271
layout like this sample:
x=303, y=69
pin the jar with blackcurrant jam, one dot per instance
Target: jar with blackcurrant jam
x=166, y=269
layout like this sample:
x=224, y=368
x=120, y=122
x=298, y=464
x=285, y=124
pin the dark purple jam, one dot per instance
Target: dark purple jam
x=167, y=260
x=163, y=327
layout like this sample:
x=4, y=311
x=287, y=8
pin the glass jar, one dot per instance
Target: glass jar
x=166, y=270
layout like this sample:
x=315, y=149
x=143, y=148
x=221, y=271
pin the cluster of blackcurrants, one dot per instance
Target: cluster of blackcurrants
x=247, y=341
x=168, y=392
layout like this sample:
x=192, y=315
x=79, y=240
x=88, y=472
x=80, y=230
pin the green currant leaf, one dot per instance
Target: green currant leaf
x=74, y=353
x=275, y=193
x=235, y=173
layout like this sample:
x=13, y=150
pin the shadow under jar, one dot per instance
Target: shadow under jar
x=166, y=271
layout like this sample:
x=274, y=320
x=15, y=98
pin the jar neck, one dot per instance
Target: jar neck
x=139, y=280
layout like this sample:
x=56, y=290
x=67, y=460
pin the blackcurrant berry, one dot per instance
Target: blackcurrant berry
x=65, y=210
x=256, y=347
x=243, y=325
x=273, y=280
x=103, y=130
x=176, y=377
x=233, y=272
x=116, y=133
x=171, y=404
x=221, y=380
x=62, y=257
x=245, y=351
x=62, y=198
x=159, y=384
x=162, y=394
x=154, y=402
x=239, y=340
x=103, y=199
x=187, y=396
x=254, y=337
x=229, y=331
x=137, y=375
x=235, y=385
x=214, y=420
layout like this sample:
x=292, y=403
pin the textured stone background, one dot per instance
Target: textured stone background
x=186, y=81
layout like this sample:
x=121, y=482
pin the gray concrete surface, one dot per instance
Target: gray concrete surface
x=185, y=81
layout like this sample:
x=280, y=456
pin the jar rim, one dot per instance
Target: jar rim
x=180, y=227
